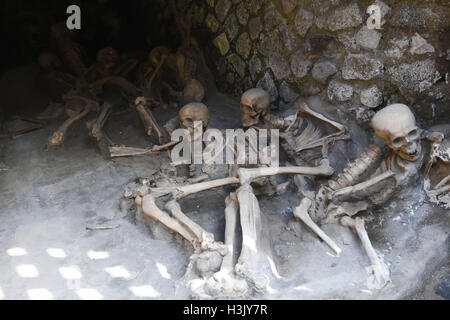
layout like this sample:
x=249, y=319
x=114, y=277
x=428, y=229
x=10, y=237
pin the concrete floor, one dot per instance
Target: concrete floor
x=49, y=198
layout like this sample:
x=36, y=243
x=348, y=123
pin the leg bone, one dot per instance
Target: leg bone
x=301, y=212
x=231, y=211
x=58, y=136
x=150, y=209
x=249, y=263
x=149, y=120
x=357, y=225
x=248, y=175
x=96, y=127
x=181, y=192
x=204, y=238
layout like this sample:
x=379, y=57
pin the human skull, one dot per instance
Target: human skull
x=193, y=112
x=254, y=104
x=108, y=57
x=155, y=56
x=396, y=125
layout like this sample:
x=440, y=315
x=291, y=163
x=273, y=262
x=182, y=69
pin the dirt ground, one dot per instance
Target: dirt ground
x=49, y=198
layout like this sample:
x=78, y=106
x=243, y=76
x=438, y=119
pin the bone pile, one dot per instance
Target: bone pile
x=160, y=78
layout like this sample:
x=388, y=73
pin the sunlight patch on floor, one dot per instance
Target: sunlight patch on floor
x=89, y=294
x=56, y=253
x=146, y=291
x=163, y=270
x=16, y=252
x=27, y=271
x=97, y=255
x=118, y=272
x=71, y=272
x=40, y=294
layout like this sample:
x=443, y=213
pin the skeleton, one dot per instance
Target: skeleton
x=183, y=65
x=252, y=255
x=437, y=172
x=255, y=104
x=83, y=100
x=85, y=86
x=254, y=261
x=185, y=120
x=347, y=195
x=110, y=64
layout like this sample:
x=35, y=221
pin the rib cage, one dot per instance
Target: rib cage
x=348, y=177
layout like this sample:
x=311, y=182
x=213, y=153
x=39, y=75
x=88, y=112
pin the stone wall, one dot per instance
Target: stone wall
x=299, y=48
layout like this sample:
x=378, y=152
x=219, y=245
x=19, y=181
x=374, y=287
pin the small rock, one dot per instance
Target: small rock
x=222, y=8
x=244, y=45
x=371, y=97
x=221, y=42
x=287, y=94
x=385, y=10
x=300, y=65
x=345, y=17
x=368, y=39
x=254, y=27
x=272, y=18
x=338, y=91
x=322, y=71
x=287, y=212
x=242, y=13
x=288, y=37
x=254, y=5
x=238, y=64
x=358, y=66
x=303, y=21
x=254, y=66
x=420, y=46
x=443, y=289
x=397, y=48
x=212, y=23
x=409, y=16
x=288, y=6
x=417, y=76
x=270, y=43
x=347, y=38
x=279, y=66
x=267, y=83
x=231, y=27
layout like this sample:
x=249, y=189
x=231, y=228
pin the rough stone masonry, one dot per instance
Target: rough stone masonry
x=303, y=48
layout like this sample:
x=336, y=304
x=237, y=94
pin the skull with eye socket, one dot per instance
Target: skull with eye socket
x=254, y=104
x=191, y=113
x=396, y=125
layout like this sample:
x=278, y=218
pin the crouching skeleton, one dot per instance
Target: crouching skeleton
x=367, y=182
